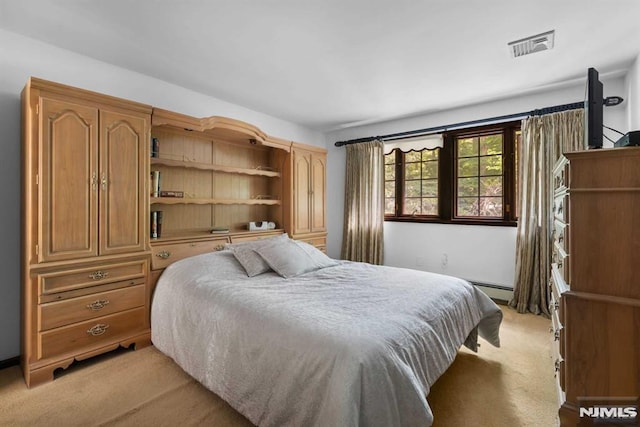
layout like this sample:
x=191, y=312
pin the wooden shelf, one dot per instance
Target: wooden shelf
x=211, y=167
x=189, y=201
x=198, y=235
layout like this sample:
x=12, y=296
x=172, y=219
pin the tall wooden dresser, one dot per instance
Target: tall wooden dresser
x=85, y=220
x=595, y=278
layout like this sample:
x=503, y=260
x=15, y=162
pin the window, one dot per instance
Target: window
x=419, y=172
x=471, y=180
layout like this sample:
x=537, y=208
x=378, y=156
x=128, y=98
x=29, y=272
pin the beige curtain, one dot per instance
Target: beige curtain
x=364, y=203
x=544, y=139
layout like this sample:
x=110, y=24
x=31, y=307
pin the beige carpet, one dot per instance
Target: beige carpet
x=510, y=386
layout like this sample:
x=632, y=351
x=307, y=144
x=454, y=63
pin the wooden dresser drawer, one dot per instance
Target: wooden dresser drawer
x=163, y=255
x=67, y=280
x=90, y=333
x=558, y=285
x=554, y=303
x=61, y=313
x=561, y=234
x=561, y=260
x=556, y=329
x=561, y=206
x=257, y=235
x=561, y=173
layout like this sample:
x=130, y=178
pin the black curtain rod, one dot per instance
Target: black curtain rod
x=426, y=131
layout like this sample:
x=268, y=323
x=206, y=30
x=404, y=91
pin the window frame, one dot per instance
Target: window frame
x=447, y=179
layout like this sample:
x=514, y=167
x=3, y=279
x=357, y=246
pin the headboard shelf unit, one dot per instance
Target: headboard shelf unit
x=228, y=173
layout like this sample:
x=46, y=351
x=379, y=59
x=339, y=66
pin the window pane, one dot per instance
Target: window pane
x=413, y=156
x=467, y=147
x=491, y=144
x=412, y=188
x=412, y=206
x=491, y=165
x=430, y=188
x=430, y=154
x=467, y=187
x=412, y=171
x=390, y=206
x=468, y=167
x=390, y=189
x=390, y=158
x=430, y=206
x=491, y=206
x=467, y=206
x=389, y=172
x=430, y=170
x=491, y=186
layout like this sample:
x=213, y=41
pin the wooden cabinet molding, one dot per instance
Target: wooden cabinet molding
x=221, y=127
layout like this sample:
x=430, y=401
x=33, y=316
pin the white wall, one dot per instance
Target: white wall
x=20, y=58
x=480, y=253
x=633, y=95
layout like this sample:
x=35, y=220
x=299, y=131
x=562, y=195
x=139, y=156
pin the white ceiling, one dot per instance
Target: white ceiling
x=329, y=64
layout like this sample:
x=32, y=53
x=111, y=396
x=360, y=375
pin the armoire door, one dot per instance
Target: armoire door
x=123, y=179
x=318, y=193
x=301, y=192
x=67, y=180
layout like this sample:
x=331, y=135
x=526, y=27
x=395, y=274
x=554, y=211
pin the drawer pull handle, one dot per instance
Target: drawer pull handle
x=98, y=275
x=98, y=305
x=556, y=335
x=556, y=305
x=560, y=239
x=218, y=248
x=557, y=365
x=163, y=254
x=560, y=264
x=98, y=329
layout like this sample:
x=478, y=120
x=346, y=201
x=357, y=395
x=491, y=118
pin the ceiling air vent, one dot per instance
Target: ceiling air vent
x=532, y=44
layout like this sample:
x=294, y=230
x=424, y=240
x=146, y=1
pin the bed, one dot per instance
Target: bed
x=338, y=344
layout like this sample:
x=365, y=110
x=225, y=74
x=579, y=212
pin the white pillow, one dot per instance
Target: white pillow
x=290, y=258
x=253, y=263
x=319, y=257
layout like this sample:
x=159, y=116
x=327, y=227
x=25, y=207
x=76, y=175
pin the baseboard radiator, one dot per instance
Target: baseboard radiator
x=498, y=293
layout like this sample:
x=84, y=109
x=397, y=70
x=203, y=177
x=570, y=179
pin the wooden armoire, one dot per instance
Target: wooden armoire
x=306, y=178
x=90, y=260
x=85, y=220
x=595, y=278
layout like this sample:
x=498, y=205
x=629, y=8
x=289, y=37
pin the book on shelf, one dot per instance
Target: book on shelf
x=156, y=224
x=171, y=193
x=155, y=183
x=155, y=147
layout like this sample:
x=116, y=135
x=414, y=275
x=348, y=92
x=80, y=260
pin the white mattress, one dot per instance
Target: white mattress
x=353, y=344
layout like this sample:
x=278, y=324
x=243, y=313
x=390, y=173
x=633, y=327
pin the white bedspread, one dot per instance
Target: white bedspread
x=348, y=345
